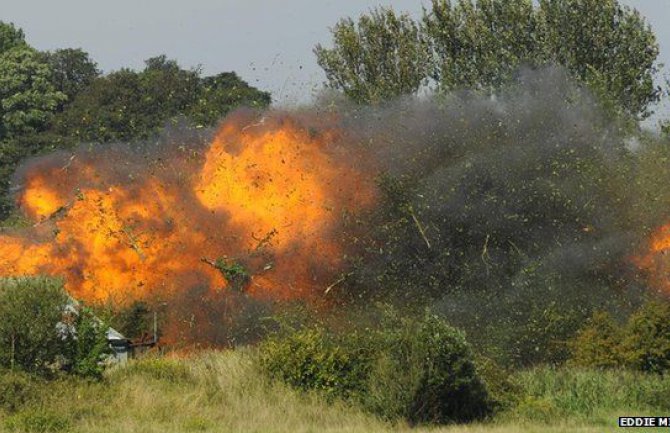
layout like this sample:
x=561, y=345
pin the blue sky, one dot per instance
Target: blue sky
x=268, y=42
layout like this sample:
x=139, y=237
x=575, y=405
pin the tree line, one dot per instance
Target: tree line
x=58, y=99
x=480, y=44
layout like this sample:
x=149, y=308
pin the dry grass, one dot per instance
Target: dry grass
x=212, y=392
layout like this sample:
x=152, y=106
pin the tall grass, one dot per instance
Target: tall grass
x=225, y=392
x=594, y=396
x=209, y=392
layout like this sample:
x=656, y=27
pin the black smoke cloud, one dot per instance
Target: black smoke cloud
x=507, y=212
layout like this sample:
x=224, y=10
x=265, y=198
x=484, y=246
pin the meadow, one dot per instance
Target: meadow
x=224, y=391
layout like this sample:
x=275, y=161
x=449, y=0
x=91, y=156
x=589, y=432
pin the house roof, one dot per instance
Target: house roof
x=114, y=335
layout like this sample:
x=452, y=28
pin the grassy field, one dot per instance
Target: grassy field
x=224, y=392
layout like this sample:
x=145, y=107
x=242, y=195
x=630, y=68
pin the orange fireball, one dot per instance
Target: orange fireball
x=116, y=224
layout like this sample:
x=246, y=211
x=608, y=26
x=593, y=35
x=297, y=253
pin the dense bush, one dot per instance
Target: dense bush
x=424, y=371
x=643, y=343
x=421, y=369
x=504, y=390
x=646, y=340
x=88, y=345
x=597, y=343
x=315, y=359
x=31, y=309
x=43, y=331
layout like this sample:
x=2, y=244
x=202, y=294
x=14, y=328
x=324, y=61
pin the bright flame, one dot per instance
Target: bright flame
x=656, y=262
x=269, y=195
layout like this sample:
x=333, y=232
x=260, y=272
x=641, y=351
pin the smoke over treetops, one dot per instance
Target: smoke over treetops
x=531, y=192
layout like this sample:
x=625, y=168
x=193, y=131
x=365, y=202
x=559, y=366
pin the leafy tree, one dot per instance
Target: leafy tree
x=28, y=100
x=58, y=99
x=31, y=309
x=382, y=56
x=128, y=105
x=109, y=109
x=27, y=95
x=481, y=43
x=40, y=330
x=10, y=154
x=73, y=70
x=221, y=93
x=597, y=343
x=168, y=90
x=643, y=343
x=606, y=45
x=416, y=368
x=646, y=340
x=87, y=346
x=10, y=37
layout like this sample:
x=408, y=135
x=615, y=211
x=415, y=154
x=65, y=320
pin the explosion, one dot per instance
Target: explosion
x=521, y=201
x=266, y=196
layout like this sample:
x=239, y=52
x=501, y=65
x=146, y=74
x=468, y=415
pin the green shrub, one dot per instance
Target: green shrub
x=39, y=331
x=643, y=343
x=597, y=344
x=86, y=352
x=646, y=339
x=424, y=371
x=315, y=359
x=504, y=389
x=31, y=309
x=421, y=369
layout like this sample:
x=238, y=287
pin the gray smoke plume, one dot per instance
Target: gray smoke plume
x=508, y=214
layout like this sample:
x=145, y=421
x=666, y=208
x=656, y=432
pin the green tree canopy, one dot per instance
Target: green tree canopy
x=28, y=97
x=381, y=56
x=128, y=105
x=606, y=45
x=73, y=70
x=221, y=93
x=481, y=43
x=168, y=89
x=58, y=99
x=10, y=37
x=109, y=109
x=665, y=124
